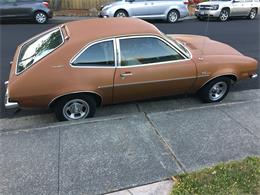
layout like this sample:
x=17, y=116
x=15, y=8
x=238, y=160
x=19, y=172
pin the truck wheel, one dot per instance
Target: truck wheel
x=252, y=14
x=224, y=15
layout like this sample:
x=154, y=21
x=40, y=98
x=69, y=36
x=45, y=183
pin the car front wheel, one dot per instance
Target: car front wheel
x=75, y=108
x=224, y=15
x=121, y=14
x=40, y=17
x=173, y=16
x=216, y=90
x=252, y=14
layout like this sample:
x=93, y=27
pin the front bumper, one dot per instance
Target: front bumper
x=103, y=14
x=8, y=104
x=207, y=13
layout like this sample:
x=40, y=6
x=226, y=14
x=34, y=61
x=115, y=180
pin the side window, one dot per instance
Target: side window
x=99, y=54
x=146, y=50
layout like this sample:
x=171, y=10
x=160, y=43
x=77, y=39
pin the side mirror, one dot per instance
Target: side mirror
x=235, y=1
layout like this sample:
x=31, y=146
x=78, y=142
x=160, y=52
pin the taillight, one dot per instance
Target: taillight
x=46, y=4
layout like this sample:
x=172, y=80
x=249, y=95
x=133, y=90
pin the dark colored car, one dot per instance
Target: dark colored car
x=36, y=10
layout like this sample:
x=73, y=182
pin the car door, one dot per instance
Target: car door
x=16, y=8
x=7, y=8
x=158, y=7
x=25, y=7
x=238, y=8
x=94, y=68
x=249, y=4
x=138, y=8
x=150, y=67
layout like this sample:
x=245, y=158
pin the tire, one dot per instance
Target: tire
x=75, y=107
x=253, y=13
x=173, y=16
x=121, y=14
x=40, y=17
x=224, y=15
x=216, y=90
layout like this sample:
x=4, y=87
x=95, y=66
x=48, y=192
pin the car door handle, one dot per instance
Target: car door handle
x=126, y=74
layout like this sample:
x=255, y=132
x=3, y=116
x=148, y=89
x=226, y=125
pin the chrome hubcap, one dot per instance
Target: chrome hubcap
x=121, y=14
x=76, y=109
x=252, y=14
x=40, y=18
x=218, y=91
x=173, y=16
x=224, y=15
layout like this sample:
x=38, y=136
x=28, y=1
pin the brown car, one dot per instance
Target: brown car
x=77, y=66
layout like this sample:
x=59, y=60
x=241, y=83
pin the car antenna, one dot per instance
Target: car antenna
x=205, y=37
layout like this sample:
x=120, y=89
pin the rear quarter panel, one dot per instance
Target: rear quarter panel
x=53, y=76
x=210, y=67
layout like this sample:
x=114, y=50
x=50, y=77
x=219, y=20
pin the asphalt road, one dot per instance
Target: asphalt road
x=241, y=34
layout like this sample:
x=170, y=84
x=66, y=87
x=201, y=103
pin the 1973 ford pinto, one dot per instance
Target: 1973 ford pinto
x=77, y=66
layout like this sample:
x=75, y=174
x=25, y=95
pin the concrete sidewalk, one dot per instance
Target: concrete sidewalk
x=107, y=154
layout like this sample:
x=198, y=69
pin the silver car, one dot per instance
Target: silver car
x=223, y=9
x=170, y=10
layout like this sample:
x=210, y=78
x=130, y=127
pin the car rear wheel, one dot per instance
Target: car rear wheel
x=121, y=14
x=216, y=90
x=75, y=108
x=173, y=16
x=252, y=14
x=224, y=15
x=40, y=17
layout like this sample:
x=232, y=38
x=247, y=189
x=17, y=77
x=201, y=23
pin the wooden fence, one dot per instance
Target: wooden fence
x=80, y=4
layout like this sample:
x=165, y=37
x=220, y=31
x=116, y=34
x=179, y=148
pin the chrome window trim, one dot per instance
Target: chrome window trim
x=82, y=50
x=186, y=58
x=46, y=32
x=72, y=93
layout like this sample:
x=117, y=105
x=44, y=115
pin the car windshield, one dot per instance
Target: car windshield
x=37, y=48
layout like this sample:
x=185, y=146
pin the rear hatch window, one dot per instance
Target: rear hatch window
x=38, y=48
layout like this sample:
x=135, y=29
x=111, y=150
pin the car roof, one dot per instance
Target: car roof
x=100, y=28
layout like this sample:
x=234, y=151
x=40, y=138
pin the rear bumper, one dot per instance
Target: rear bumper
x=253, y=76
x=50, y=14
x=8, y=104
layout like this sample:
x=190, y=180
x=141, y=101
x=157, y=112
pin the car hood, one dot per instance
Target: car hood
x=203, y=45
x=111, y=3
x=214, y=3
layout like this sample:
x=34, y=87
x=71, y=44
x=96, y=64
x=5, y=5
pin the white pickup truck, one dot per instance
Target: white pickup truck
x=224, y=9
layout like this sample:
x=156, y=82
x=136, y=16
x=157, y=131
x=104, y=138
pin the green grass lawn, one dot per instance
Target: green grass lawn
x=235, y=177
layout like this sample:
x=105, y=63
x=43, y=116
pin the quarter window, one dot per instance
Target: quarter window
x=99, y=54
x=146, y=50
x=37, y=48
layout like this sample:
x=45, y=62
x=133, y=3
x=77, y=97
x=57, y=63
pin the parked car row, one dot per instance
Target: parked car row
x=172, y=10
x=169, y=10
